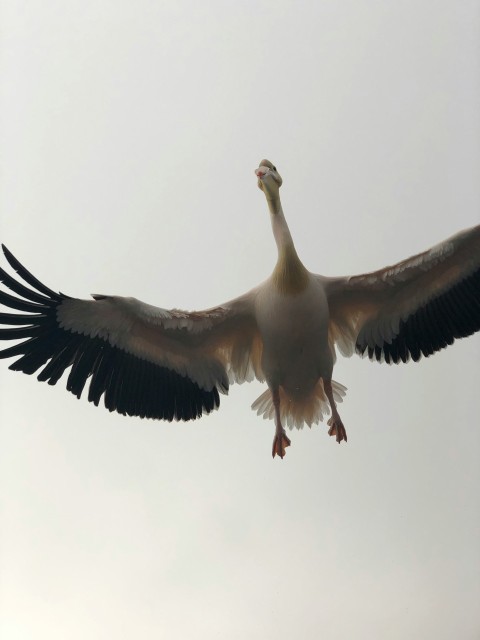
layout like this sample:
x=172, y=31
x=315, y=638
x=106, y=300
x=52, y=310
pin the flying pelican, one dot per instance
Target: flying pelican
x=172, y=364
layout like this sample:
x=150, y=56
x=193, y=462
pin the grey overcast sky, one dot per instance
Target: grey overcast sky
x=130, y=132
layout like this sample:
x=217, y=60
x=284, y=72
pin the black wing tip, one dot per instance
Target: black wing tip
x=29, y=278
x=7, y=253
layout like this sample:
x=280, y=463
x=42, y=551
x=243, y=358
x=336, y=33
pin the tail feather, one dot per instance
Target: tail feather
x=296, y=412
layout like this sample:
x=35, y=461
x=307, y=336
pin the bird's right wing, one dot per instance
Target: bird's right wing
x=415, y=307
x=145, y=361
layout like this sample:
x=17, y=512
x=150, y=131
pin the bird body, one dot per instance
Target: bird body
x=294, y=332
x=172, y=364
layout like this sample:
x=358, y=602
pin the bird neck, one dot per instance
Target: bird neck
x=289, y=275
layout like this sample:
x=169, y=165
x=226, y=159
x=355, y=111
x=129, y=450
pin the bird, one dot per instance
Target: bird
x=172, y=364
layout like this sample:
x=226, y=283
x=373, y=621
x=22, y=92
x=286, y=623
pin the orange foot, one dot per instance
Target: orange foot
x=280, y=443
x=337, y=429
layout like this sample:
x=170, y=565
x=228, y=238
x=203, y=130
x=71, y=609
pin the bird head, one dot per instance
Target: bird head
x=269, y=180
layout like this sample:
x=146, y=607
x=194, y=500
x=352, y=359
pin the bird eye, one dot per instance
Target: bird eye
x=274, y=168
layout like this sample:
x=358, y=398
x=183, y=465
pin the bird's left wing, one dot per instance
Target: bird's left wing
x=145, y=361
x=415, y=307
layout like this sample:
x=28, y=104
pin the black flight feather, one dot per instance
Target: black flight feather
x=128, y=384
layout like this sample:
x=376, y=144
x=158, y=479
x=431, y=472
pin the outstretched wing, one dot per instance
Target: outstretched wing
x=145, y=361
x=415, y=307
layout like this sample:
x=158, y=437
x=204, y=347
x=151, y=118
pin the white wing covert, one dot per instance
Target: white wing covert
x=415, y=307
x=145, y=361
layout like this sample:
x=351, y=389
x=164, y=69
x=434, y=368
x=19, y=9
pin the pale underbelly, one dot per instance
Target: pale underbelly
x=294, y=331
x=297, y=366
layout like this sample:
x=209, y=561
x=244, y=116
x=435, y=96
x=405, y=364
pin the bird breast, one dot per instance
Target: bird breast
x=294, y=330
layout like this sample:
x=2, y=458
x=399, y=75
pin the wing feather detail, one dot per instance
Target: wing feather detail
x=414, y=308
x=143, y=361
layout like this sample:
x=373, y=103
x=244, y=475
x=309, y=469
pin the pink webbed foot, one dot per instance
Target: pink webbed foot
x=280, y=443
x=336, y=425
x=337, y=429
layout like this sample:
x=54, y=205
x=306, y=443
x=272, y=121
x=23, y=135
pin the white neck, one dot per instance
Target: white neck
x=289, y=274
x=280, y=229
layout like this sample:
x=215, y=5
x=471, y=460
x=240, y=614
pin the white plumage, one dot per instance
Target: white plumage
x=172, y=364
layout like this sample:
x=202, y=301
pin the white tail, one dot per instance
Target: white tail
x=296, y=413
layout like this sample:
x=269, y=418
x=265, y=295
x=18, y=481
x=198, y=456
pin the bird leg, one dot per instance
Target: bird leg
x=280, y=441
x=336, y=425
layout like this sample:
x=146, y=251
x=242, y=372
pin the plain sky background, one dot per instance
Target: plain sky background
x=130, y=132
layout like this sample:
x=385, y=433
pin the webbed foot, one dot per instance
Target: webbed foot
x=337, y=429
x=280, y=443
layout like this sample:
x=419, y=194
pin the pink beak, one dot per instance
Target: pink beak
x=260, y=172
